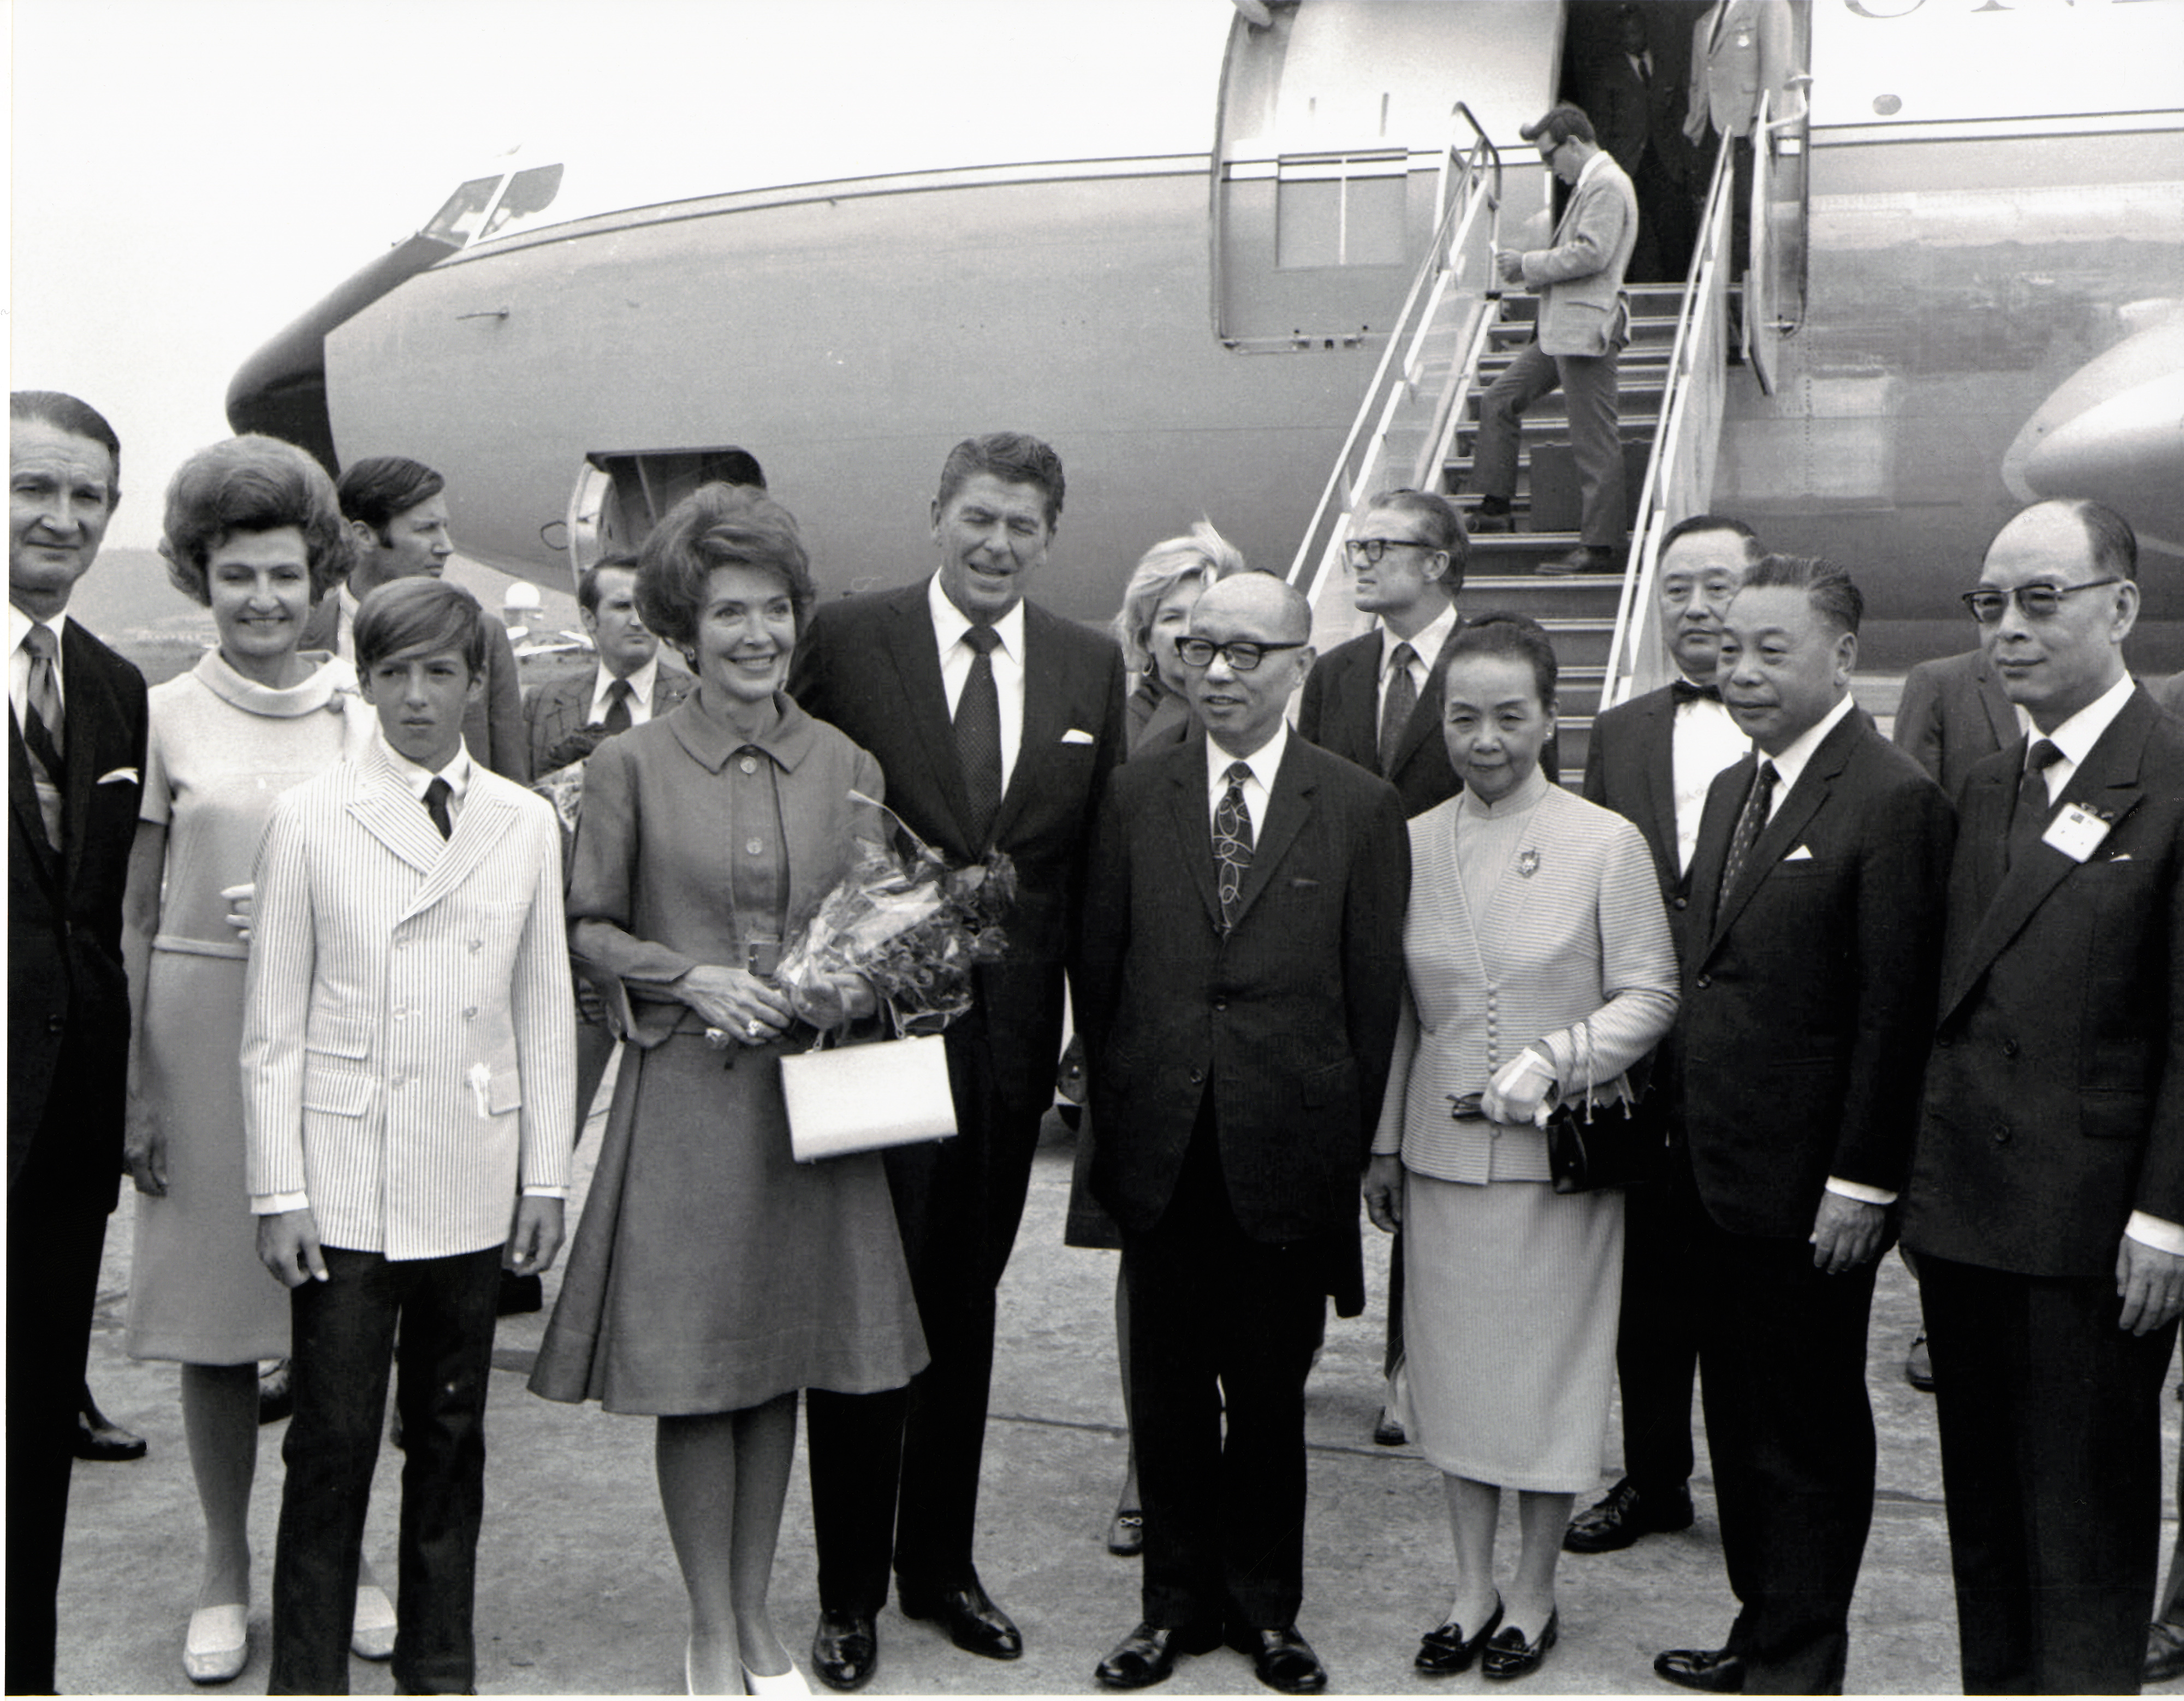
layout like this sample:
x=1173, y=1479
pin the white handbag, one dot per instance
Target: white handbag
x=863, y=1098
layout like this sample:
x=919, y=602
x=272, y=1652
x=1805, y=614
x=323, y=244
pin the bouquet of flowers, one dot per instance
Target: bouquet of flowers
x=908, y=924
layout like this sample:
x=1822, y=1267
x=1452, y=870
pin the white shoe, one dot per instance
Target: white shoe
x=371, y=1632
x=788, y=1682
x=218, y=1646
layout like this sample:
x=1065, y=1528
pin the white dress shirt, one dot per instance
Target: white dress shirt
x=1704, y=739
x=19, y=659
x=1424, y=648
x=345, y=607
x=949, y=626
x=1265, y=762
x=641, y=684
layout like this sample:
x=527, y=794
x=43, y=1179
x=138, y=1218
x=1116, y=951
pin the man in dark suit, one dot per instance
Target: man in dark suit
x=1242, y=946
x=1813, y=947
x=398, y=512
x=997, y=724
x=1953, y=714
x=1636, y=110
x=1376, y=699
x=76, y=764
x=2048, y=1178
x=1652, y=760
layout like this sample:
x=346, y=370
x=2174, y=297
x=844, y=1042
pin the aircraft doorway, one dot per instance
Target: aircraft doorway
x=619, y=496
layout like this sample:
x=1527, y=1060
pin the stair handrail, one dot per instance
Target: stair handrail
x=1475, y=183
x=1680, y=473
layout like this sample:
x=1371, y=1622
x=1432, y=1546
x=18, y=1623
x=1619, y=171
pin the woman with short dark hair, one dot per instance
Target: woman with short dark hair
x=1539, y=969
x=712, y=1275
x=253, y=532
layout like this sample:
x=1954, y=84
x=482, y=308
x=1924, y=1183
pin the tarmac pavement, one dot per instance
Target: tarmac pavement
x=578, y=1591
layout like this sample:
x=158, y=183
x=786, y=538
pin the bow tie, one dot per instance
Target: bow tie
x=1685, y=692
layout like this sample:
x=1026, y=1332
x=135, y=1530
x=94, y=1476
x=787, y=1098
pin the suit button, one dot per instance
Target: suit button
x=1679, y=903
x=470, y=1014
x=2001, y=1133
x=56, y=1024
x=1198, y=1078
x=1220, y=1004
x=2009, y=1048
x=1703, y=982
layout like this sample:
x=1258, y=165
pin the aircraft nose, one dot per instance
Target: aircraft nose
x=2127, y=452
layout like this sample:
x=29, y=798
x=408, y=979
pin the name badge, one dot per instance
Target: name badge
x=2076, y=832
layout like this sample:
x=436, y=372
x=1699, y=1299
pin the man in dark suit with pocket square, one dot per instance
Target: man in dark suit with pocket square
x=1243, y=948
x=76, y=764
x=2046, y=1202
x=1812, y=949
x=996, y=724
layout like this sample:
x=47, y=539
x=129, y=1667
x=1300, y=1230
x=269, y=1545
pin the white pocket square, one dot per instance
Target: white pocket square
x=1801, y=854
x=121, y=776
x=1078, y=735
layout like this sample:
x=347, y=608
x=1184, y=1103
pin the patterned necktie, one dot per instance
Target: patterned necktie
x=436, y=806
x=617, y=715
x=1396, y=712
x=2028, y=817
x=1749, y=826
x=43, y=731
x=1232, y=843
x=978, y=736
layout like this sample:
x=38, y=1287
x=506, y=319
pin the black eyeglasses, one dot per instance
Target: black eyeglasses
x=2034, y=602
x=1370, y=549
x=1243, y=654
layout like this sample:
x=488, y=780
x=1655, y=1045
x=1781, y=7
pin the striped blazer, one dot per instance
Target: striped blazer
x=1583, y=935
x=408, y=1041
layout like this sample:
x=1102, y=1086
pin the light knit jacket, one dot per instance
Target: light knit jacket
x=1579, y=938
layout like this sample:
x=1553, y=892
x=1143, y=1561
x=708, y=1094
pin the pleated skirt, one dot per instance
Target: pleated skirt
x=1511, y=1296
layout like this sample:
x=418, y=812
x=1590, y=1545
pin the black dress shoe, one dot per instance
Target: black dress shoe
x=1490, y=520
x=1622, y=1516
x=519, y=1294
x=845, y=1650
x=1146, y=1656
x=2165, y=1653
x=1388, y=1430
x=1582, y=560
x=1126, y=1532
x=1281, y=1658
x=1918, y=1365
x=973, y=1623
x=1508, y=1655
x=276, y=1393
x=101, y=1441
x=1714, y=1670
x=1448, y=1651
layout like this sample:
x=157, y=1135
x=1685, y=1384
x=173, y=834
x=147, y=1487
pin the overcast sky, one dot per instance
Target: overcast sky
x=187, y=175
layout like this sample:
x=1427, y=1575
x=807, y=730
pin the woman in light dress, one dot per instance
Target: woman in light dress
x=253, y=532
x=1539, y=968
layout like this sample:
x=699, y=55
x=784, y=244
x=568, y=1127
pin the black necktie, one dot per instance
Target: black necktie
x=1749, y=826
x=43, y=730
x=1396, y=712
x=617, y=716
x=436, y=806
x=978, y=736
x=1232, y=843
x=1683, y=691
x=2028, y=817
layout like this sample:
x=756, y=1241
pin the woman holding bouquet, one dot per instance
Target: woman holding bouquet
x=712, y=1276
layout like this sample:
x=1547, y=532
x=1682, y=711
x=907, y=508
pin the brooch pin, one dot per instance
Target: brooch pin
x=1528, y=863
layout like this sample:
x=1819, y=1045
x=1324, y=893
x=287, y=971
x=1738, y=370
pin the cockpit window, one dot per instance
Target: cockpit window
x=457, y=222
x=528, y=192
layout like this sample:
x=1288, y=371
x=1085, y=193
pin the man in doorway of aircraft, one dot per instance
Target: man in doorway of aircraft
x=997, y=724
x=397, y=508
x=1740, y=49
x=1584, y=321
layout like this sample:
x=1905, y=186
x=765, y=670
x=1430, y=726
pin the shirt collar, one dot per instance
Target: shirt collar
x=1428, y=643
x=640, y=684
x=1791, y=762
x=20, y=625
x=1265, y=762
x=2076, y=737
x=950, y=623
x=418, y=779
x=1598, y=162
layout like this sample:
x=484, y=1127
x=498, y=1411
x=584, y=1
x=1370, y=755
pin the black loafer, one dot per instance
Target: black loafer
x=845, y=1650
x=1623, y=1516
x=1714, y=1670
x=1146, y=1656
x=1480, y=520
x=276, y=1393
x=1281, y=1659
x=101, y=1441
x=1508, y=1655
x=2165, y=1653
x=1918, y=1365
x=1448, y=1651
x=1126, y=1532
x=972, y=1621
x=1388, y=1430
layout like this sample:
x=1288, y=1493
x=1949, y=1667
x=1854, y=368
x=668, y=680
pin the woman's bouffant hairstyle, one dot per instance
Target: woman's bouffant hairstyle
x=717, y=526
x=1201, y=553
x=1516, y=636
x=252, y=484
x=418, y=617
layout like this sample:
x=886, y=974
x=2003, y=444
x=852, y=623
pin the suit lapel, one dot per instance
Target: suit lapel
x=2107, y=781
x=22, y=798
x=1725, y=802
x=92, y=714
x=2000, y=712
x=1192, y=815
x=1288, y=806
x=386, y=809
x=1787, y=824
x=1047, y=690
x=1659, y=768
x=914, y=651
x=478, y=830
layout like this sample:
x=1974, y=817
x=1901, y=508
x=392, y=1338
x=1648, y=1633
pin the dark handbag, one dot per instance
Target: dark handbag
x=1612, y=1143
